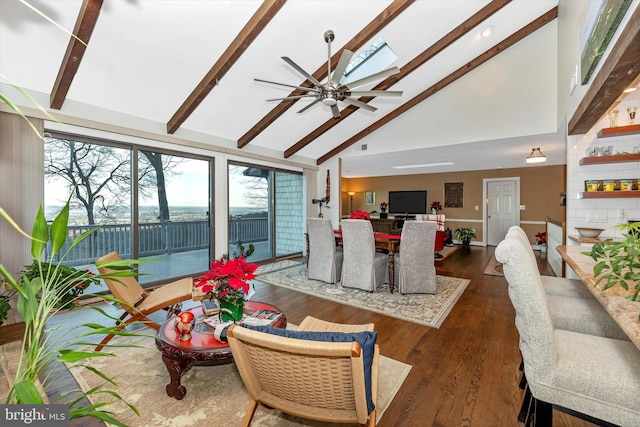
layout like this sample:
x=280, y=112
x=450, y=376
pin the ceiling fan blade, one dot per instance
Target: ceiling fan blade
x=359, y=104
x=301, y=71
x=292, y=97
x=309, y=106
x=284, y=84
x=336, y=111
x=342, y=65
x=373, y=77
x=375, y=93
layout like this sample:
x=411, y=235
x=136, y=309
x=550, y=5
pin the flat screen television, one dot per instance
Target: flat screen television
x=408, y=202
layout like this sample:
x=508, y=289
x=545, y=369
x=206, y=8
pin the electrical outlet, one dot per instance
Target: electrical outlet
x=620, y=214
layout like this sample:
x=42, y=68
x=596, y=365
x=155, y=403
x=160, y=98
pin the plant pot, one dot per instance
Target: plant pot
x=383, y=215
x=231, y=309
x=466, y=242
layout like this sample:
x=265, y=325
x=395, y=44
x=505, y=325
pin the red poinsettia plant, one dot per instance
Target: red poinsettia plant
x=541, y=237
x=384, y=206
x=228, y=278
x=436, y=205
x=360, y=215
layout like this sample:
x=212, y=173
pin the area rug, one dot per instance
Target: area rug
x=493, y=268
x=215, y=394
x=424, y=309
x=446, y=252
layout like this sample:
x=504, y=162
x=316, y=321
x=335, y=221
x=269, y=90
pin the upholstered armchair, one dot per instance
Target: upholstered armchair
x=328, y=372
x=324, y=258
x=591, y=376
x=363, y=267
x=415, y=264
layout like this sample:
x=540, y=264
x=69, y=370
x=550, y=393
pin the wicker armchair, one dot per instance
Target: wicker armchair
x=316, y=380
x=139, y=303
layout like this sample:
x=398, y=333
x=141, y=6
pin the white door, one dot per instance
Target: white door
x=502, y=209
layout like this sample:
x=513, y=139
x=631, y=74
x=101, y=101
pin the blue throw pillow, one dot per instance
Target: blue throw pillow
x=367, y=341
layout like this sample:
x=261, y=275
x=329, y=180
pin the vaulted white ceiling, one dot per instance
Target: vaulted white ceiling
x=145, y=57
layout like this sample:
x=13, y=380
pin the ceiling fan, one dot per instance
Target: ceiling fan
x=332, y=91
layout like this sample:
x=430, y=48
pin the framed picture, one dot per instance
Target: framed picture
x=601, y=22
x=453, y=195
x=369, y=198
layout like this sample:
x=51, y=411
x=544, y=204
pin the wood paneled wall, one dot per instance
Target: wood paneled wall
x=21, y=189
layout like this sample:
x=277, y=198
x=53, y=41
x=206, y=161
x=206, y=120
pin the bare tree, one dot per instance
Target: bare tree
x=100, y=176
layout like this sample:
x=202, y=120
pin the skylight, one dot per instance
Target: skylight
x=372, y=60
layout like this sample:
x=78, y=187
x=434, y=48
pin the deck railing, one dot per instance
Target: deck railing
x=156, y=238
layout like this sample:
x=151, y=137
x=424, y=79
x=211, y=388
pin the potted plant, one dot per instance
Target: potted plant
x=464, y=235
x=618, y=262
x=5, y=297
x=383, y=209
x=41, y=294
x=435, y=207
x=541, y=238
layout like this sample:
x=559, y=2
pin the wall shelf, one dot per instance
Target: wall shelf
x=619, y=131
x=609, y=194
x=618, y=158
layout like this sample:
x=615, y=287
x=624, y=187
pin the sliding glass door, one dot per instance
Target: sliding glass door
x=173, y=226
x=164, y=217
x=265, y=211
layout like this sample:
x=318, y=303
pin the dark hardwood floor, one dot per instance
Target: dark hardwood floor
x=464, y=374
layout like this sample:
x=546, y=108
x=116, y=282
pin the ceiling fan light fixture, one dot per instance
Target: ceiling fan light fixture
x=329, y=101
x=536, y=156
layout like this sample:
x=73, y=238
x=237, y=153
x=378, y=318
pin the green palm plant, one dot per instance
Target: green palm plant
x=41, y=294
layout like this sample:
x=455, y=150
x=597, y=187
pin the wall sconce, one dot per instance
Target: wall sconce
x=351, y=194
x=536, y=156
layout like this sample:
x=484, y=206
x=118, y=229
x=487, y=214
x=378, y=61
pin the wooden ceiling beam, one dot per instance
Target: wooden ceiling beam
x=238, y=46
x=86, y=22
x=619, y=70
x=377, y=24
x=407, y=69
x=471, y=65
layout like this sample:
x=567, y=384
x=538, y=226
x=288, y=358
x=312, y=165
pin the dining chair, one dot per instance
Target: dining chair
x=136, y=302
x=589, y=376
x=553, y=285
x=571, y=305
x=325, y=259
x=415, y=263
x=323, y=371
x=362, y=267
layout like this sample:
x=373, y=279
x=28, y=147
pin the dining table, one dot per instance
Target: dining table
x=389, y=243
x=622, y=310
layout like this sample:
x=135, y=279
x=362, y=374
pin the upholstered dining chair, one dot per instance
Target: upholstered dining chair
x=571, y=305
x=323, y=371
x=593, y=377
x=362, y=267
x=552, y=285
x=136, y=301
x=325, y=259
x=415, y=264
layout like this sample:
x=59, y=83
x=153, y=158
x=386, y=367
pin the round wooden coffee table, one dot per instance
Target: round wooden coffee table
x=202, y=349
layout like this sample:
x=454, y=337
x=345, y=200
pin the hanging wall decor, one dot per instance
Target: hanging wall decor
x=453, y=195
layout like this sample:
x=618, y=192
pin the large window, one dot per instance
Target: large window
x=164, y=217
x=265, y=210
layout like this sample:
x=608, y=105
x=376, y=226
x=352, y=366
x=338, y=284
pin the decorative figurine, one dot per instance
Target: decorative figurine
x=185, y=322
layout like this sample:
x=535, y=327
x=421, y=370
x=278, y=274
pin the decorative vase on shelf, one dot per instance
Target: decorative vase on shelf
x=383, y=214
x=231, y=309
x=434, y=211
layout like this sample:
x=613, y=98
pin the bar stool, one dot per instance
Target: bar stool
x=592, y=377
